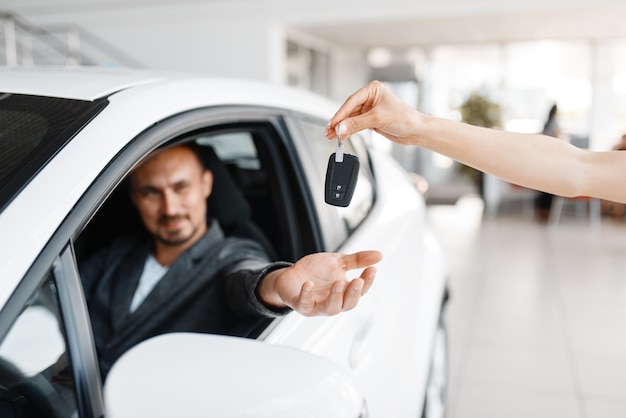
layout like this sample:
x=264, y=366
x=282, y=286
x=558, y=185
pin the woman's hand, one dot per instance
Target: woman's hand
x=376, y=107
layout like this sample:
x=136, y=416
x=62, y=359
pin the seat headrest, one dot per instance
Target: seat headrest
x=227, y=202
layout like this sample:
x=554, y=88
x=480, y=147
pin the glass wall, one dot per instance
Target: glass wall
x=586, y=80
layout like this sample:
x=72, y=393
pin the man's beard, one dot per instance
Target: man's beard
x=175, y=241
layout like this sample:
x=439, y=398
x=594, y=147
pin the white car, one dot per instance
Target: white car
x=67, y=139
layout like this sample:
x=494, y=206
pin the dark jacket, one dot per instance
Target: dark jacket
x=210, y=288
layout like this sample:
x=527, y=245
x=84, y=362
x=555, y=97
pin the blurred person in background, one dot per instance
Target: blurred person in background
x=543, y=200
x=609, y=208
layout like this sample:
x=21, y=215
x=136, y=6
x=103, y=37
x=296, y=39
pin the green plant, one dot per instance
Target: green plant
x=479, y=110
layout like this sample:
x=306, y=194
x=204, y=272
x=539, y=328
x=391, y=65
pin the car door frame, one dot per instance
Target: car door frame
x=58, y=254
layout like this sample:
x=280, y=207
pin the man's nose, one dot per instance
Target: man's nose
x=170, y=203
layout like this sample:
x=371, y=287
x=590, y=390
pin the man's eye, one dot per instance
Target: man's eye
x=181, y=187
x=149, y=193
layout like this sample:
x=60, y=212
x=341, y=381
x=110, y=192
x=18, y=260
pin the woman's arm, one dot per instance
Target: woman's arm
x=531, y=160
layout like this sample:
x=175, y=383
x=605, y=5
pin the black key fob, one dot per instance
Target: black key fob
x=341, y=177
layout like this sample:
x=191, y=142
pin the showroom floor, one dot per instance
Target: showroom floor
x=537, y=318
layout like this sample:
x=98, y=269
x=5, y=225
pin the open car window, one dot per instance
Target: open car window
x=364, y=193
x=247, y=198
x=255, y=195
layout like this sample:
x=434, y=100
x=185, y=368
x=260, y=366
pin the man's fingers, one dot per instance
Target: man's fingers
x=368, y=276
x=342, y=296
x=305, y=303
x=361, y=259
x=334, y=302
x=352, y=295
x=357, y=288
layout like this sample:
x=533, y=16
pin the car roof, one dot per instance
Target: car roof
x=92, y=83
x=80, y=83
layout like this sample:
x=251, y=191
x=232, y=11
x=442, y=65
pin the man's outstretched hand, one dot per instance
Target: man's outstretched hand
x=317, y=283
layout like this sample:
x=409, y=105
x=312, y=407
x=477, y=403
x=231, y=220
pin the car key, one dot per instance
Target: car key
x=341, y=176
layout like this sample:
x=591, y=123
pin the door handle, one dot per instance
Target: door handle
x=361, y=350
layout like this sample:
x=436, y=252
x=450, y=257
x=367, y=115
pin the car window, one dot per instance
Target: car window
x=248, y=198
x=235, y=148
x=363, y=197
x=241, y=199
x=263, y=188
x=35, y=377
x=32, y=130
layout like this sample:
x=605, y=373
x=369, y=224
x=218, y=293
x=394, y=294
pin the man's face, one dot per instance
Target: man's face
x=170, y=191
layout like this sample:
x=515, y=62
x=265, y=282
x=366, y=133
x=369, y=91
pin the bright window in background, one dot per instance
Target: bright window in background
x=457, y=71
x=525, y=78
x=539, y=74
x=612, y=92
x=587, y=81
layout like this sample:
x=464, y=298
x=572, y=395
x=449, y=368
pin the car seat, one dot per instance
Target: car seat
x=229, y=205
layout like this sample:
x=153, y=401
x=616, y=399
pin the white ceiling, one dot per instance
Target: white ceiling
x=365, y=23
x=594, y=22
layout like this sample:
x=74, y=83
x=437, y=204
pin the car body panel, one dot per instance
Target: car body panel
x=385, y=343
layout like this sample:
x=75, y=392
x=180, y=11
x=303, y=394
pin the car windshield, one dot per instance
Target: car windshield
x=32, y=130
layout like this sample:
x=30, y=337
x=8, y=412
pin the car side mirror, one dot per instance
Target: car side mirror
x=200, y=375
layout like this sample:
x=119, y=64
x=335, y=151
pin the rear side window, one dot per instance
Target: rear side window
x=364, y=194
x=32, y=130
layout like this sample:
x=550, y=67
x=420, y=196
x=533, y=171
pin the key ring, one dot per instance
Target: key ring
x=339, y=151
x=338, y=132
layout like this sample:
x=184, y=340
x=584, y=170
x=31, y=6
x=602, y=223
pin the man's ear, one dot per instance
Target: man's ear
x=207, y=181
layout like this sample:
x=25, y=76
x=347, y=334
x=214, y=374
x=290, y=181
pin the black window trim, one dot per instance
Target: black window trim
x=79, y=339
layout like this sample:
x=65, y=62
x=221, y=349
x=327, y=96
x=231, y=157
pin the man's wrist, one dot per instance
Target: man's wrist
x=266, y=291
x=266, y=288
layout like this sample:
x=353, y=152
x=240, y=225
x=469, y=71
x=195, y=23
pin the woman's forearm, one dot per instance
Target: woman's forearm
x=529, y=160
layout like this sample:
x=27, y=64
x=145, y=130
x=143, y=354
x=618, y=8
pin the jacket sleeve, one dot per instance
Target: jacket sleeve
x=242, y=277
x=242, y=295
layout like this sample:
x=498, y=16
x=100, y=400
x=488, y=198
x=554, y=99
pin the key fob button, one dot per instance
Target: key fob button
x=341, y=178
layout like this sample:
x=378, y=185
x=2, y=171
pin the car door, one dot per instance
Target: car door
x=381, y=340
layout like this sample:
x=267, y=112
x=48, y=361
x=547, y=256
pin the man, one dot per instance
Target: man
x=189, y=277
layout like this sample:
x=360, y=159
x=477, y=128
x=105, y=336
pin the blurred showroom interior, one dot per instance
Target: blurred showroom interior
x=520, y=56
